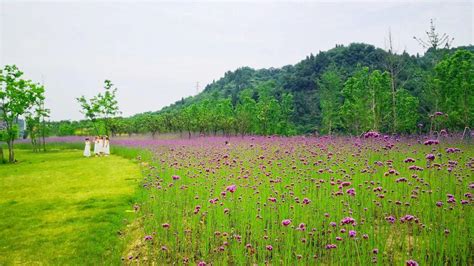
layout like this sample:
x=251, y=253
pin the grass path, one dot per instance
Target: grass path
x=60, y=208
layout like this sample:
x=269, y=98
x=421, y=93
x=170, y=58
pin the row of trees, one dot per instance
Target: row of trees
x=365, y=102
x=255, y=112
x=369, y=99
x=20, y=98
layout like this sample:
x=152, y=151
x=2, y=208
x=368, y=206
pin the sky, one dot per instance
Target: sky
x=156, y=52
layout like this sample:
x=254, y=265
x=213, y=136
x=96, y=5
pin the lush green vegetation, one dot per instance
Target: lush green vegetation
x=60, y=208
x=19, y=97
x=349, y=89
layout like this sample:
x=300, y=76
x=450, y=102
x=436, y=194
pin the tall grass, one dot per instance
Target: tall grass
x=309, y=179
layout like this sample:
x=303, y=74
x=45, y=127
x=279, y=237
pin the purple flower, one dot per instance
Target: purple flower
x=302, y=227
x=451, y=198
x=411, y=263
x=269, y=247
x=148, y=238
x=401, y=179
x=430, y=157
x=352, y=233
x=431, y=142
x=452, y=150
x=371, y=134
x=331, y=246
x=306, y=201
x=351, y=192
x=231, y=188
x=408, y=218
x=390, y=219
x=286, y=222
x=175, y=177
x=348, y=220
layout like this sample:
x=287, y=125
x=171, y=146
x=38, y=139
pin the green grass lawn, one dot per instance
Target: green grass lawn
x=60, y=208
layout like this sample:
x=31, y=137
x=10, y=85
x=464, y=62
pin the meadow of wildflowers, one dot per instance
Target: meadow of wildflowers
x=369, y=200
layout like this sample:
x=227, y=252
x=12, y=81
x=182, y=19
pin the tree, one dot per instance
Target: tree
x=17, y=96
x=354, y=111
x=108, y=104
x=153, y=123
x=35, y=124
x=394, y=65
x=90, y=109
x=102, y=106
x=366, y=101
x=286, y=110
x=265, y=108
x=225, y=112
x=434, y=40
x=407, y=112
x=2, y=138
x=454, y=83
x=330, y=85
x=379, y=90
x=245, y=112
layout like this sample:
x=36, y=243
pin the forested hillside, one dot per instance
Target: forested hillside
x=348, y=90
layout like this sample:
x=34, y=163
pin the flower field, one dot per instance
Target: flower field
x=271, y=200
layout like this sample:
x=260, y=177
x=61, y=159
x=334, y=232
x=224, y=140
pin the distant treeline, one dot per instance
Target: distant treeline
x=346, y=90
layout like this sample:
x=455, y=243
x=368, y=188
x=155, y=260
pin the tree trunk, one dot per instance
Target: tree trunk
x=394, y=100
x=374, y=127
x=11, y=153
x=2, y=159
x=43, y=135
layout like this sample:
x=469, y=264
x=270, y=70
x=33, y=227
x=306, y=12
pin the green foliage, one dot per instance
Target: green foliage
x=17, y=98
x=454, y=87
x=35, y=124
x=330, y=85
x=101, y=107
x=407, y=112
x=355, y=111
x=245, y=113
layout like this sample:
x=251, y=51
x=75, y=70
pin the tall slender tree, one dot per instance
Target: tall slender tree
x=330, y=86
